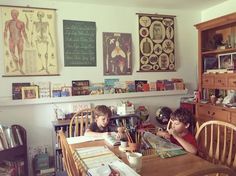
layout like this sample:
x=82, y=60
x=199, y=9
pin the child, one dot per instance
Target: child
x=101, y=125
x=180, y=130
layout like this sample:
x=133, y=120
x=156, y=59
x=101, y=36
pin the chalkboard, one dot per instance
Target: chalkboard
x=79, y=43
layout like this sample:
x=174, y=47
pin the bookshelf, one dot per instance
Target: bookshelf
x=7, y=101
x=18, y=153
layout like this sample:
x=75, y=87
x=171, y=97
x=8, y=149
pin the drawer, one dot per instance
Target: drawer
x=232, y=82
x=207, y=80
x=212, y=113
x=221, y=81
x=233, y=118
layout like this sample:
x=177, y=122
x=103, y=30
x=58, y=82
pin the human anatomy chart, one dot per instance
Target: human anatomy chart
x=29, y=41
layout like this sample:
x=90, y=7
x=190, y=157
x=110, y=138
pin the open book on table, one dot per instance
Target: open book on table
x=112, y=140
x=164, y=147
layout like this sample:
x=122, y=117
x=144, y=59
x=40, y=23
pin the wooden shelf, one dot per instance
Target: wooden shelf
x=219, y=51
x=9, y=102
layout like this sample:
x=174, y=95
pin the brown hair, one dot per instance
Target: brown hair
x=184, y=116
x=102, y=110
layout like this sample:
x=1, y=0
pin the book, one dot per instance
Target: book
x=92, y=157
x=112, y=140
x=96, y=89
x=130, y=86
x=169, y=85
x=80, y=87
x=120, y=87
x=172, y=153
x=16, y=90
x=139, y=85
x=160, y=144
x=152, y=86
x=44, y=89
x=66, y=91
x=56, y=89
x=160, y=85
x=109, y=85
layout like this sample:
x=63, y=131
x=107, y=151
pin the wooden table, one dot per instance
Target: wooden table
x=156, y=166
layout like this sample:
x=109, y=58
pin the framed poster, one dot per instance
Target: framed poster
x=29, y=41
x=156, y=43
x=79, y=43
x=117, y=56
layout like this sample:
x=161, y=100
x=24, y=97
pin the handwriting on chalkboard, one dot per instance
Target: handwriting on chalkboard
x=79, y=43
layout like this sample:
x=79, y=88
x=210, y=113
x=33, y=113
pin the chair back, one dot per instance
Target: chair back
x=80, y=121
x=215, y=170
x=67, y=156
x=216, y=142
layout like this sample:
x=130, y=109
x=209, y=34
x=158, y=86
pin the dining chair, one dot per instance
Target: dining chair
x=80, y=122
x=215, y=170
x=67, y=157
x=216, y=142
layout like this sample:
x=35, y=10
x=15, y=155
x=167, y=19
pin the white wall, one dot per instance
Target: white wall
x=37, y=118
x=219, y=10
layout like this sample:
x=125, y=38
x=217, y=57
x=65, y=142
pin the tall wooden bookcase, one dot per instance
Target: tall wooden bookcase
x=216, y=39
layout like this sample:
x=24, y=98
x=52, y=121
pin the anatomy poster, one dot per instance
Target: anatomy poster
x=156, y=43
x=117, y=56
x=29, y=41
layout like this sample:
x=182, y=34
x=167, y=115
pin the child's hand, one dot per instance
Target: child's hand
x=172, y=132
x=163, y=134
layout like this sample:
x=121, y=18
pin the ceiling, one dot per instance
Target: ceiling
x=160, y=4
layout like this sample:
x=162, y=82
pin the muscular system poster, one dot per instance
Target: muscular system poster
x=29, y=42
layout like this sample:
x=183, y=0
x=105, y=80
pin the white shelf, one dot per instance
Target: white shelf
x=9, y=102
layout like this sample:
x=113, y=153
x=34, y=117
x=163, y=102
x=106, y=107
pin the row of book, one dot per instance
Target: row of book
x=8, y=139
x=28, y=90
x=12, y=168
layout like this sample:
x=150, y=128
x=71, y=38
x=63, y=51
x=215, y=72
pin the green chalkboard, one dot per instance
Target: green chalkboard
x=79, y=43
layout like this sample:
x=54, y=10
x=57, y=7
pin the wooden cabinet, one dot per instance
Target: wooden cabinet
x=216, y=45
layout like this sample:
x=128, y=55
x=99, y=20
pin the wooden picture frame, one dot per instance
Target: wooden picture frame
x=225, y=61
x=30, y=92
x=30, y=48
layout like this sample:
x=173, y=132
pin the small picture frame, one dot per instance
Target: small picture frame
x=225, y=61
x=30, y=92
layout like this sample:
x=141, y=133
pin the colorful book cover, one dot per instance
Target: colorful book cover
x=109, y=85
x=96, y=89
x=169, y=85
x=160, y=85
x=139, y=85
x=152, y=86
x=16, y=90
x=130, y=86
x=56, y=89
x=44, y=89
x=80, y=87
x=66, y=91
x=120, y=87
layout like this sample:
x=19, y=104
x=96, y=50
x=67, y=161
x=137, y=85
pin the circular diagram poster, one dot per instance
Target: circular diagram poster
x=156, y=43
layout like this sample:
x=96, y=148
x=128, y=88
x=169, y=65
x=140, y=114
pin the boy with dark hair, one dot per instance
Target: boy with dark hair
x=101, y=125
x=180, y=131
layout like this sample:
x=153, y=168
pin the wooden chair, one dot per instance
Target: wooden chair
x=216, y=142
x=68, y=161
x=215, y=170
x=80, y=121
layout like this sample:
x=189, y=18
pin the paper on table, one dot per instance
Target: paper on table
x=122, y=168
x=80, y=139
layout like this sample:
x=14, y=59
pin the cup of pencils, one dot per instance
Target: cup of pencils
x=134, y=140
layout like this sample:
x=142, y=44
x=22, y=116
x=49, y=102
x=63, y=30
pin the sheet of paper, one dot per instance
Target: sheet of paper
x=81, y=139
